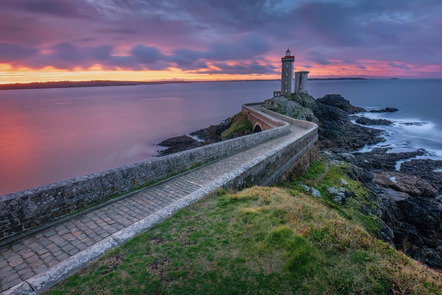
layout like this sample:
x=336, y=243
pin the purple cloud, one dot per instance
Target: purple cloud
x=192, y=34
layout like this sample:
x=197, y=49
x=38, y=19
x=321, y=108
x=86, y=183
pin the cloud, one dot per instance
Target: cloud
x=192, y=34
x=10, y=52
x=59, y=8
x=243, y=69
x=147, y=54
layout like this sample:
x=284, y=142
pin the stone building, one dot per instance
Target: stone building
x=301, y=79
x=287, y=73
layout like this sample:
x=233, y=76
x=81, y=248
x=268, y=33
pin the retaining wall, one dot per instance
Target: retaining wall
x=31, y=209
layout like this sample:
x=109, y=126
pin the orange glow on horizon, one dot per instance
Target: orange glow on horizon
x=364, y=68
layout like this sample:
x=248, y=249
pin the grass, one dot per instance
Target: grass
x=362, y=204
x=240, y=126
x=262, y=240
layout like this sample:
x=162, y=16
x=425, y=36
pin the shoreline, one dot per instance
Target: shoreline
x=103, y=83
x=407, y=200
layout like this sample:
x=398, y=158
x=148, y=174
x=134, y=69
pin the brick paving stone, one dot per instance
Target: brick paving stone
x=26, y=274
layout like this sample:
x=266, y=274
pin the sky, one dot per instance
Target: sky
x=150, y=40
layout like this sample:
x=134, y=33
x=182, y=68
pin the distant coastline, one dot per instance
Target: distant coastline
x=101, y=83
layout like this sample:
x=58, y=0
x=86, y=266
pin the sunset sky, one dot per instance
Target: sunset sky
x=51, y=40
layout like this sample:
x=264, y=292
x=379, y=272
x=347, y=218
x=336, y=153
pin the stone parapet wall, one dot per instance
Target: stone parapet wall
x=282, y=160
x=266, y=122
x=28, y=210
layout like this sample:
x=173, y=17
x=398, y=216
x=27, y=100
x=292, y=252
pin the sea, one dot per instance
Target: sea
x=50, y=135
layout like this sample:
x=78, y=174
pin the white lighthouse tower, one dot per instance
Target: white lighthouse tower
x=287, y=73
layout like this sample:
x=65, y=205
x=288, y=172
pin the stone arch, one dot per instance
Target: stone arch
x=257, y=128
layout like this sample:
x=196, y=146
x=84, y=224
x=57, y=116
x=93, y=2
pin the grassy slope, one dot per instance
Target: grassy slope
x=239, y=127
x=260, y=240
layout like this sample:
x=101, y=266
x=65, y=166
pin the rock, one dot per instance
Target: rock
x=380, y=160
x=357, y=173
x=179, y=140
x=368, y=121
x=412, y=224
x=312, y=190
x=304, y=100
x=343, y=181
x=178, y=144
x=386, y=110
x=293, y=109
x=426, y=169
x=337, y=196
x=209, y=135
x=336, y=100
x=315, y=193
x=411, y=185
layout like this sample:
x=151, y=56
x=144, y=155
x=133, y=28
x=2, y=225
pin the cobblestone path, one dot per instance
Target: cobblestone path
x=39, y=252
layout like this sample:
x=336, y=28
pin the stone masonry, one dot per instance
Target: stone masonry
x=44, y=258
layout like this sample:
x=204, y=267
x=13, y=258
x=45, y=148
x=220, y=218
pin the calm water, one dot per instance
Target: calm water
x=49, y=135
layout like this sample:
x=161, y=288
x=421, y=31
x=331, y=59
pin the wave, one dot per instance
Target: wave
x=406, y=135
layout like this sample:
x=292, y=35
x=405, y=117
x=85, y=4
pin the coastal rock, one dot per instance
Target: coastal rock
x=336, y=100
x=178, y=140
x=368, y=121
x=412, y=224
x=380, y=159
x=409, y=184
x=357, y=173
x=386, y=110
x=178, y=144
x=426, y=169
x=293, y=109
x=305, y=100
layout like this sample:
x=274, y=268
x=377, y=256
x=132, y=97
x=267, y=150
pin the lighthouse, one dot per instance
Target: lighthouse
x=287, y=73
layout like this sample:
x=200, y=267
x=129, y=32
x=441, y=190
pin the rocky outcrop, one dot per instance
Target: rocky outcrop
x=430, y=170
x=336, y=100
x=412, y=224
x=338, y=134
x=380, y=159
x=410, y=206
x=208, y=135
x=386, y=110
x=293, y=109
x=178, y=144
x=410, y=184
x=368, y=121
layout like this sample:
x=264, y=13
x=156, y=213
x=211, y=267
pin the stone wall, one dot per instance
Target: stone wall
x=31, y=209
x=257, y=118
x=295, y=156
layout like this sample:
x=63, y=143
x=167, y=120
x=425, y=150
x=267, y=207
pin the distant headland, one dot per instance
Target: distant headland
x=101, y=83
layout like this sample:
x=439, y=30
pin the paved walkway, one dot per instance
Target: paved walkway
x=50, y=248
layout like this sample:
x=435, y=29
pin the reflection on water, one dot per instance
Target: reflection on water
x=49, y=135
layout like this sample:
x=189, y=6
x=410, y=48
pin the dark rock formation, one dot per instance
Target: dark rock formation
x=409, y=184
x=207, y=135
x=178, y=144
x=410, y=208
x=386, y=110
x=412, y=224
x=368, y=121
x=337, y=133
x=336, y=100
x=425, y=169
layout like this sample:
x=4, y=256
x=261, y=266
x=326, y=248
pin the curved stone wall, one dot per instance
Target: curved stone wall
x=31, y=209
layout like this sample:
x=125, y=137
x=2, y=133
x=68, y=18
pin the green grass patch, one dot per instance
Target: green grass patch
x=256, y=241
x=240, y=126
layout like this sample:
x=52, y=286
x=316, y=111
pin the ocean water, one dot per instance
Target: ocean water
x=417, y=124
x=50, y=135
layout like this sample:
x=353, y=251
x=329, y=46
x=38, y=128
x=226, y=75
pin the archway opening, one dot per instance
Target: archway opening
x=257, y=129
